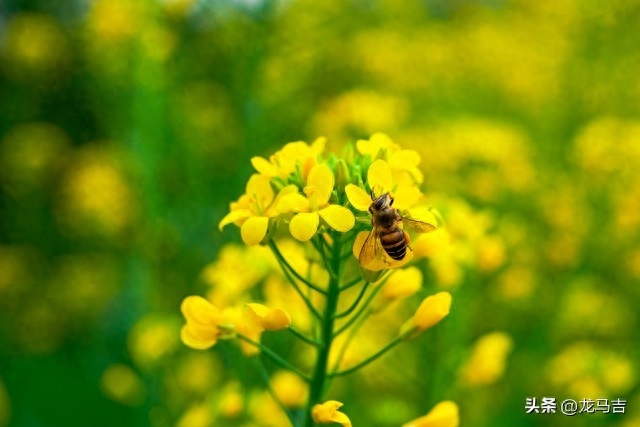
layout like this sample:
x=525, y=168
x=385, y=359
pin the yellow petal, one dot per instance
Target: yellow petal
x=234, y=216
x=295, y=150
x=304, y=225
x=338, y=217
x=379, y=177
x=407, y=177
x=200, y=310
x=271, y=319
x=294, y=202
x=274, y=209
x=195, y=342
x=365, y=147
x=259, y=187
x=264, y=167
x=444, y=414
x=254, y=229
x=358, y=198
x=201, y=332
x=341, y=418
x=327, y=412
x=383, y=140
x=424, y=213
x=406, y=197
x=236, y=317
x=320, y=183
x=431, y=311
x=379, y=145
x=404, y=159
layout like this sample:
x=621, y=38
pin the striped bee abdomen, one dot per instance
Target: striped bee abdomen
x=394, y=243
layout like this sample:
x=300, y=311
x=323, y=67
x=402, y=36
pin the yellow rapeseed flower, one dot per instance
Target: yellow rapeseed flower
x=293, y=155
x=403, y=163
x=380, y=180
x=431, y=311
x=254, y=208
x=203, y=320
x=240, y=322
x=315, y=205
x=444, y=414
x=270, y=319
x=327, y=412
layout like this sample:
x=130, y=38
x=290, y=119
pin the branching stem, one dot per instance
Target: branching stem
x=274, y=357
x=285, y=265
x=355, y=302
x=368, y=360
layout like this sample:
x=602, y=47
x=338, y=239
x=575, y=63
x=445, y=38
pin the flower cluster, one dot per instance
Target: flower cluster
x=304, y=191
x=346, y=216
x=295, y=186
x=206, y=324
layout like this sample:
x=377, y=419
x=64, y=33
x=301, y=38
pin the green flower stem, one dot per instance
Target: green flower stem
x=368, y=360
x=319, y=376
x=306, y=300
x=264, y=376
x=275, y=358
x=319, y=243
x=347, y=342
x=363, y=309
x=303, y=337
x=355, y=303
x=284, y=264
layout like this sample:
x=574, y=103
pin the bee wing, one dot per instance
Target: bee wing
x=371, y=249
x=418, y=226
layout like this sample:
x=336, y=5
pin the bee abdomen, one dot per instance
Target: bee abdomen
x=394, y=243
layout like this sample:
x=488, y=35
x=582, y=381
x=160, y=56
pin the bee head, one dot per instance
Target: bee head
x=379, y=203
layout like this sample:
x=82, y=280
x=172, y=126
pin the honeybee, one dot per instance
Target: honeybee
x=386, y=233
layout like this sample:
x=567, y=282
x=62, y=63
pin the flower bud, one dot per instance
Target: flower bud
x=433, y=309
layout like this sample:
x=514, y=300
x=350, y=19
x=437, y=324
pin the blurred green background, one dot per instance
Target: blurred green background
x=126, y=128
